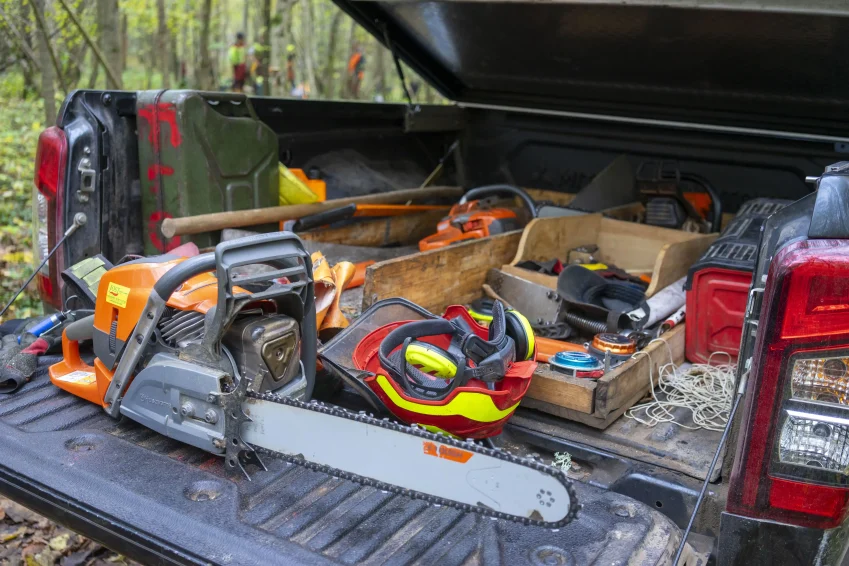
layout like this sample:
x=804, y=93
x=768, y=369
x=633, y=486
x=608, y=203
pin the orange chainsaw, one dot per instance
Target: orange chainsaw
x=219, y=351
x=470, y=219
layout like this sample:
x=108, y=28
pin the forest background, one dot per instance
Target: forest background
x=295, y=48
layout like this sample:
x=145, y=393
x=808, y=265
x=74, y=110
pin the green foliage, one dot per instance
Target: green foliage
x=19, y=129
x=11, y=85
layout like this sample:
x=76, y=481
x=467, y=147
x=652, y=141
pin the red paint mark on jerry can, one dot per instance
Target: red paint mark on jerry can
x=154, y=115
x=156, y=169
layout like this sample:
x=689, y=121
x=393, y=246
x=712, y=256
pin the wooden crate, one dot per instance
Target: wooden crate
x=438, y=278
x=600, y=402
x=454, y=275
x=663, y=253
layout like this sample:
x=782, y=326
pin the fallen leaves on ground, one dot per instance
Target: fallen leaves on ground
x=28, y=539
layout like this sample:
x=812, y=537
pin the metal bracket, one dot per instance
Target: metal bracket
x=238, y=453
x=87, y=179
x=750, y=304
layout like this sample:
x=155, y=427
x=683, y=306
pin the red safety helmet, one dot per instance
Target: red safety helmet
x=449, y=374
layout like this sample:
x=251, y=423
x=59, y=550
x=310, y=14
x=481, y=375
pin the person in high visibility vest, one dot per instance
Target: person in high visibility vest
x=238, y=60
x=356, y=70
x=257, y=69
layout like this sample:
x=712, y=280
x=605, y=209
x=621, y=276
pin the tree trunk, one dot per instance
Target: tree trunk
x=125, y=41
x=95, y=69
x=329, y=79
x=204, y=76
x=174, y=62
x=226, y=37
x=162, y=44
x=73, y=67
x=380, y=72
x=308, y=39
x=109, y=36
x=150, y=62
x=347, y=89
x=245, y=20
x=48, y=92
x=280, y=40
x=187, y=59
x=265, y=54
x=26, y=64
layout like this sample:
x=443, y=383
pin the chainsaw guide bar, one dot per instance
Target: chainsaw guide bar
x=250, y=423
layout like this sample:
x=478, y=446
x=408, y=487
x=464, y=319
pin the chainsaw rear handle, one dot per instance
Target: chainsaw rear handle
x=487, y=190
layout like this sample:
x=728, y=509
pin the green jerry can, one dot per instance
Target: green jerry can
x=201, y=152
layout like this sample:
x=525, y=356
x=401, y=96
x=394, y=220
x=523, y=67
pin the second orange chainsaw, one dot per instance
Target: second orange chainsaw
x=476, y=217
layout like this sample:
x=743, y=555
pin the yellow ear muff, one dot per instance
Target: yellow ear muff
x=519, y=329
x=481, y=310
x=431, y=359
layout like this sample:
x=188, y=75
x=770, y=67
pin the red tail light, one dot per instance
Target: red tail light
x=792, y=462
x=51, y=160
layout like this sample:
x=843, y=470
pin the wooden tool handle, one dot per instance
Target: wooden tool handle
x=220, y=220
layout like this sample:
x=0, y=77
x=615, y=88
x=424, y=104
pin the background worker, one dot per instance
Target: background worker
x=290, y=71
x=356, y=70
x=238, y=60
x=257, y=71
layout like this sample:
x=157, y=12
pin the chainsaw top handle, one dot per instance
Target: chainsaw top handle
x=182, y=272
x=487, y=190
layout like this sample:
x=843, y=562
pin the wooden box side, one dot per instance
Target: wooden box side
x=439, y=278
x=545, y=238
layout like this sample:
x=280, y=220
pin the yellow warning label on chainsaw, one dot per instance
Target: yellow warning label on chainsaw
x=117, y=295
x=79, y=376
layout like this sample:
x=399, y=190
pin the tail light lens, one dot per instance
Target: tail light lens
x=51, y=160
x=792, y=461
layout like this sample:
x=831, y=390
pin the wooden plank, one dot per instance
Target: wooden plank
x=438, y=278
x=618, y=387
x=635, y=246
x=562, y=390
x=578, y=416
x=549, y=281
x=546, y=238
x=403, y=230
x=674, y=260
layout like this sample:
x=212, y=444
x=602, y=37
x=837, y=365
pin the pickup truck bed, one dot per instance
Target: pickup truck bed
x=162, y=502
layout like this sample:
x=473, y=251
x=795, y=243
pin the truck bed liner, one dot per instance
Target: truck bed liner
x=163, y=502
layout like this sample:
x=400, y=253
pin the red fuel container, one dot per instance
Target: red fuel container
x=718, y=285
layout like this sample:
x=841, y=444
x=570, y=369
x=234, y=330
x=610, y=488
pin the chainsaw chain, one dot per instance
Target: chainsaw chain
x=420, y=432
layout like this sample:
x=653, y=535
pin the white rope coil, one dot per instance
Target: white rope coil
x=706, y=390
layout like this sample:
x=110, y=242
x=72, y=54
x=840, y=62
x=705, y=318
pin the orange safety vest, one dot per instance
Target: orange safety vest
x=354, y=62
